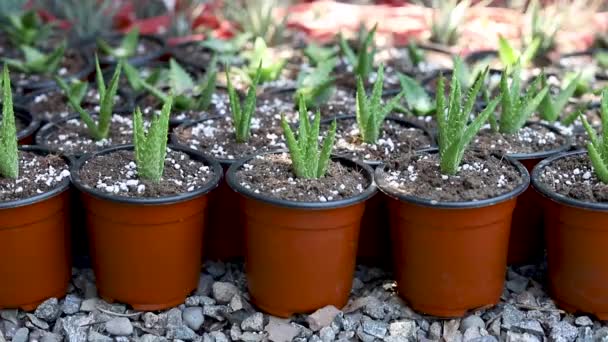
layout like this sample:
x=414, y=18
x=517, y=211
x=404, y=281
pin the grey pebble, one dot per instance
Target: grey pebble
x=119, y=326
x=193, y=317
x=21, y=335
x=48, y=310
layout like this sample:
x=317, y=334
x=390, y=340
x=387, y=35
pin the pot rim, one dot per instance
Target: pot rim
x=402, y=121
x=559, y=198
x=366, y=194
x=379, y=173
x=33, y=122
x=210, y=185
x=64, y=185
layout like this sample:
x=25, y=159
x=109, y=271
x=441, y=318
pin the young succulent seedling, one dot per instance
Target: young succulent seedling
x=98, y=130
x=187, y=94
x=509, y=55
x=271, y=67
x=127, y=47
x=227, y=50
x=37, y=62
x=258, y=18
x=551, y=106
x=316, y=85
x=447, y=20
x=25, y=28
x=415, y=54
x=544, y=26
x=597, y=147
x=151, y=148
x=452, y=118
x=243, y=113
x=9, y=151
x=306, y=159
x=371, y=111
x=317, y=54
x=417, y=99
x=516, y=109
x=363, y=60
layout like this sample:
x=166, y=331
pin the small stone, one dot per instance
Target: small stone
x=236, y=303
x=89, y=305
x=374, y=309
x=119, y=326
x=215, y=311
x=583, y=321
x=235, y=332
x=75, y=327
x=204, y=300
x=22, y=335
x=530, y=326
x=49, y=337
x=254, y=322
x=223, y=291
x=471, y=333
x=249, y=336
x=48, y=310
x=435, y=331
x=174, y=318
x=563, y=331
x=322, y=317
x=511, y=316
x=601, y=334
x=585, y=334
x=327, y=334
x=471, y=321
x=374, y=328
x=205, y=282
x=483, y=339
x=152, y=338
x=219, y=336
x=10, y=315
x=94, y=336
x=215, y=268
x=525, y=337
x=405, y=329
x=280, y=330
x=193, y=317
x=150, y=319
x=516, y=283
x=71, y=304
x=192, y=301
x=38, y=322
x=181, y=332
x=451, y=332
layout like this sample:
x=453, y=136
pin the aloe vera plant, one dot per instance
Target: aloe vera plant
x=317, y=54
x=242, y=113
x=9, y=151
x=151, y=148
x=25, y=28
x=127, y=47
x=98, y=130
x=271, y=67
x=37, y=62
x=551, y=106
x=415, y=54
x=510, y=55
x=258, y=18
x=452, y=118
x=417, y=99
x=597, y=147
x=306, y=159
x=315, y=86
x=187, y=94
x=363, y=60
x=371, y=111
x=448, y=19
x=517, y=108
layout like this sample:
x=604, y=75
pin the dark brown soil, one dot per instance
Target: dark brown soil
x=72, y=63
x=52, y=104
x=116, y=173
x=216, y=137
x=530, y=139
x=395, y=139
x=72, y=136
x=481, y=176
x=220, y=105
x=398, y=59
x=276, y=103
x=341, y=103
x=37, y=175
x=574, y=177
x=144, y=47
x=193, y=54
x=272, y=176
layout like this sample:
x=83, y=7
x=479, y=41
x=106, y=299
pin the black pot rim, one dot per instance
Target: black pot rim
x=46, y=129
x=82, y=74
x=59, y=188
x=234, y=184
x=136, y=60
x=379, y=173
x=544, y=154
x=208, y=187
x=33, y=122
x=402, y=121
x=559, y=198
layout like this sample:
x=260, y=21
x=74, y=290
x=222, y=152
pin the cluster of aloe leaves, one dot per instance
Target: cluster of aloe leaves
x=363, y=60
x=597, y=147
x=125, y=49
x=9, y=152
x=242, y=113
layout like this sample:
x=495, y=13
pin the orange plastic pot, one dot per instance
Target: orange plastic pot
x=576, y=236
x=450, y=257
x=146, y=252
x=34, y=247
x=300, y=256
x=526, y=243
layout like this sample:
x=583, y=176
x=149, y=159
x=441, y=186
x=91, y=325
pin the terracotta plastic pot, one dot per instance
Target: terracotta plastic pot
x=146, y=252
x=450, y=257
x=300, y=256
x=576, y=234
x=34, y=247
x=526, y=243
x=26, y=135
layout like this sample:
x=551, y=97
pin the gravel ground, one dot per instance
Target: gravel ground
x=219, y=311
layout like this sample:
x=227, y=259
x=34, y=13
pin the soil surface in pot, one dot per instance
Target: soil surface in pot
x=144, y=47
x=194, y=54
x=216, y=137
x=72, y=136
x=398, y=58
x=220, y=105
x=342, y=102
x=530, y=139
x=72, y=63
x=573, y=176
x=116, y=173
x=395, y=139
x=272, y=176
x=37, y=174
x=53, y=104
x=480, y=176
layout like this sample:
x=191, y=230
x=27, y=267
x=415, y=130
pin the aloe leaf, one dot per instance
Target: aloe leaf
x=325, y=155
x=128, y=45
x=506, y=52
x=599, y=165
x=416, y=96
x=179, y=80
